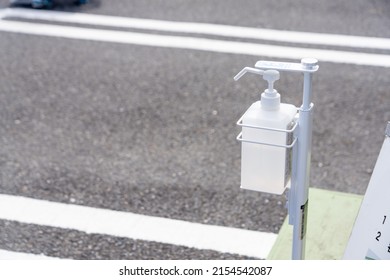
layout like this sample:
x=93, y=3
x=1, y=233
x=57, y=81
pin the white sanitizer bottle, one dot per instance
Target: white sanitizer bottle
x=267, y=168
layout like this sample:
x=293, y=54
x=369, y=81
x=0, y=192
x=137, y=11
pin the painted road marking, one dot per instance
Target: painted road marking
x=203, y=28
x=125, y=224
x=193, y=43
x=9, y=255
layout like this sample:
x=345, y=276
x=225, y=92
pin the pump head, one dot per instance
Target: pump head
x=270, y=98
x=269, y=75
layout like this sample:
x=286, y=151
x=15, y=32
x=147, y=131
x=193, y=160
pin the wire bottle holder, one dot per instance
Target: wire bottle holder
x=288, y=132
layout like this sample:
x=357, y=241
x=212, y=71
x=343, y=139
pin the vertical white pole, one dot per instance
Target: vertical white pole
x=301, y=184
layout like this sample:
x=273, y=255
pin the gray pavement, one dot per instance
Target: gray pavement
x=152, y=130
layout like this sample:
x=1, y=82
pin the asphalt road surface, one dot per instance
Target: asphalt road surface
x=151, y=130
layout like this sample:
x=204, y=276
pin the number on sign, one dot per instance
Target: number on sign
x=384, y=219
x=378, y=235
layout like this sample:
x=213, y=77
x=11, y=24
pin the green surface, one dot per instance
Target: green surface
x=331, y=216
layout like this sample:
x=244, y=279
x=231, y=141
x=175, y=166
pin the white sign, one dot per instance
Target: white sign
x=370, y=238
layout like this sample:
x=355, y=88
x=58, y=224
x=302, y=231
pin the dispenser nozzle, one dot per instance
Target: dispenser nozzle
x=250, y=70
x=269, y=75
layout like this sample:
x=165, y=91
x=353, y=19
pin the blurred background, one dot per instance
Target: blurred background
x=152, y=130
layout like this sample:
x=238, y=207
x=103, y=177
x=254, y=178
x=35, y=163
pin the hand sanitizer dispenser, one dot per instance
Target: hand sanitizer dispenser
x=266, y=136
x=276, y=142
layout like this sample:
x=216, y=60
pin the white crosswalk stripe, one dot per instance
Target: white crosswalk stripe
x=203, y=28
x=135, y=226
x=192, y=43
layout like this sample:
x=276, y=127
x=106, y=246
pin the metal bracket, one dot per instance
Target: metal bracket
x=304, y=67
x=287, y=131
